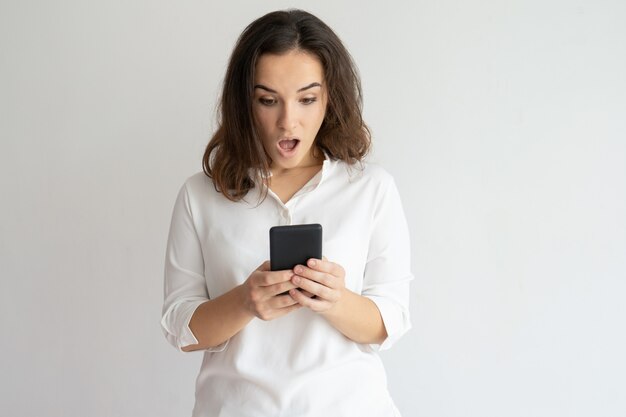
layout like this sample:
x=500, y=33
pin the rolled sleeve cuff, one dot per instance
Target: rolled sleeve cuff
x=179, y=318
x=395, y=318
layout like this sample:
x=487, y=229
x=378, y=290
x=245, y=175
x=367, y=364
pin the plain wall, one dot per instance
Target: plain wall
x=503, y=122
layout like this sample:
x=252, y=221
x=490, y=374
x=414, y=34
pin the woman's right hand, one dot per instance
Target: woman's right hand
x=263, y=293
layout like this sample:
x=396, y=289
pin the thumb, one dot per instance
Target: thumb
x=265, y=266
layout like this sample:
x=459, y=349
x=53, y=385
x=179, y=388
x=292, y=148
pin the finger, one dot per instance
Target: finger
x=269, y=278
x=306, y=293
x=325, y=266
x=287, y=310
x=265, y=266
x=315, y=288
x=314, y=304
x=282, y=287
x=274, y=313
x=282, y=301
x=317, y=276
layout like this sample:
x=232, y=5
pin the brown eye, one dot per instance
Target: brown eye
x=267, y=101
x=309, y=100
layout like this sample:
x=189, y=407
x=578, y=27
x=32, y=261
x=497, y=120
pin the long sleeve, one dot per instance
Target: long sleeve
x=388, y=269
x=184, y=284
x=298, y=364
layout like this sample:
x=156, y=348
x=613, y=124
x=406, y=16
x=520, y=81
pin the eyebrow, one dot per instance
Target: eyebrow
x=262, y=87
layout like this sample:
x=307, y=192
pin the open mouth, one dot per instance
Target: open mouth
x=287, y=147
x=288, y=144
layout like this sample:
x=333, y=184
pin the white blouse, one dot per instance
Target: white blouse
x=298, y=364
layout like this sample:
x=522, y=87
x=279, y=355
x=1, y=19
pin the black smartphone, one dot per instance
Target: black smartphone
x=294, y=245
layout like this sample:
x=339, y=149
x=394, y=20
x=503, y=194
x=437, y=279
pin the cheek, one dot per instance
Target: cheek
x=312, y=117
x=322, y=112
x=262, y=121
x=263, y=126
x=320, y=118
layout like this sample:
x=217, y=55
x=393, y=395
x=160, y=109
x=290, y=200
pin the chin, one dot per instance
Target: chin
x=287, y=164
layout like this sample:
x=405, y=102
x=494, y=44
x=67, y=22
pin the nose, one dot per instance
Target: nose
x=287, y=118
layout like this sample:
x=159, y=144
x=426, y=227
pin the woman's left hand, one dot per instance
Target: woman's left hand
x=323, y=279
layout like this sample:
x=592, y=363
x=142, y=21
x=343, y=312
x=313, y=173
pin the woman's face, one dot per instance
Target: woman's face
x=289, y=105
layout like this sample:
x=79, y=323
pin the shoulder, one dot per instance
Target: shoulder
x=197, y=189
x=377, y=173
x=366, y=172
x=363, y=181
x=198, y=183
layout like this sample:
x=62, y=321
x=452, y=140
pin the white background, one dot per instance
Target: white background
x=503, y=122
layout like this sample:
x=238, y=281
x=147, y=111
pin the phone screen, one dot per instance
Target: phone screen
x=294, y=245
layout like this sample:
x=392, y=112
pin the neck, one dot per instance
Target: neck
x=315, y=160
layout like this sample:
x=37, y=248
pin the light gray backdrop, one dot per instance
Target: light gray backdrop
x=503, y=123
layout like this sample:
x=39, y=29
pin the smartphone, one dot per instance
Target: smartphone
x=294, y=245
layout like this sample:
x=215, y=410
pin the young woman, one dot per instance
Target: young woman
x=289, y=150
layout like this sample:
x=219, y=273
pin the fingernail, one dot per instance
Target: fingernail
x=312, y=262
x=298, y=269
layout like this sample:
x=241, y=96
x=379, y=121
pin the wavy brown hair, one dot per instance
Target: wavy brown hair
x=236, y=147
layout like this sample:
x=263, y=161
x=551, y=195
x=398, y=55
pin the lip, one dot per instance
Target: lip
x=288, y=153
